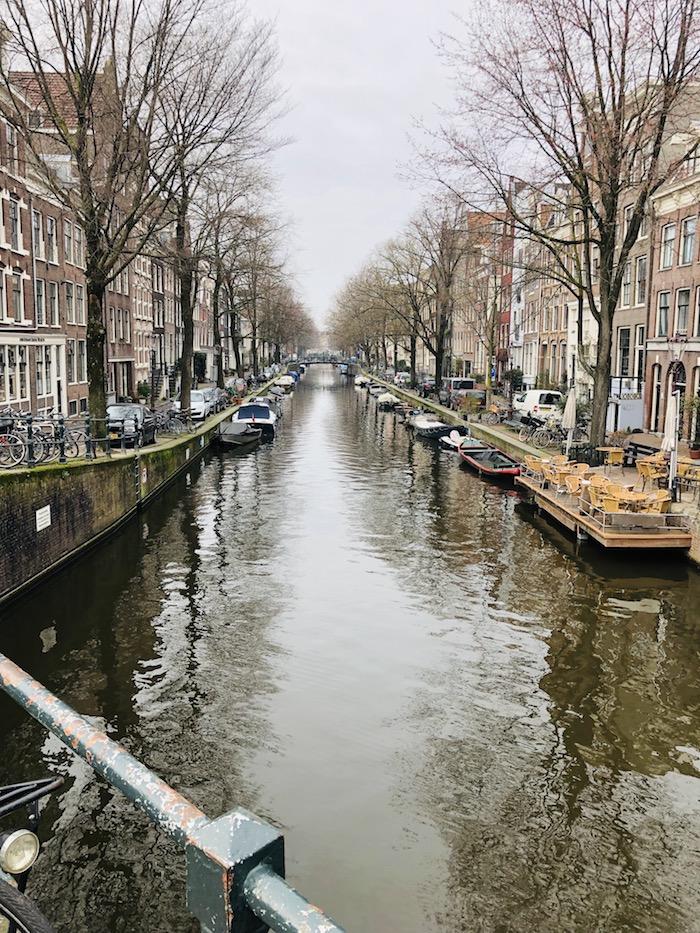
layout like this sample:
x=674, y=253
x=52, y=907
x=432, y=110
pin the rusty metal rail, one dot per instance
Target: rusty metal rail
x=235, y=864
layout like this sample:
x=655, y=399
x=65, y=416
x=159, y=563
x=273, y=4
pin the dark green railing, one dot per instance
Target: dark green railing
x=235, y=864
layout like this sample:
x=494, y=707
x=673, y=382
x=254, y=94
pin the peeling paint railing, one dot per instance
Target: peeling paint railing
x=235, y=864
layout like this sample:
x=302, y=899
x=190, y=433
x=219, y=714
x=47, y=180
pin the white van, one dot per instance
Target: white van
x=540, y=403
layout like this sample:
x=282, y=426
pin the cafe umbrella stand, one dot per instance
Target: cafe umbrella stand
x=670, y=439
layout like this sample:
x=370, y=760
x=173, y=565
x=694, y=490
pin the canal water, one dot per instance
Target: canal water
x=459, y=722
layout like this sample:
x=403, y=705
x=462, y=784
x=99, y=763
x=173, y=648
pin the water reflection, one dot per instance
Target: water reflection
x=460, y=719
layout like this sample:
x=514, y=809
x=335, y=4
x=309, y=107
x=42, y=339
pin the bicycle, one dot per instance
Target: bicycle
x=19, y=850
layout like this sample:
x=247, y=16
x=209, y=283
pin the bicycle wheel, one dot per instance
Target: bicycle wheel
x=524, y=435
x=18, y=913
x=11, y=451
x=173, y=426
x=490, y=418
x=541, y=437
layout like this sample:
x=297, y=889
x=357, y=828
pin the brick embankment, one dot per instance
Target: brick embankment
x=502, y=438
x=51, y=513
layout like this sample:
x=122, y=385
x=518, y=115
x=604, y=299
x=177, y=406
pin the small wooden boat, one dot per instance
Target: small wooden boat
x=237, y=435
x=426, y=425
x=460, y=439
x=491, y=462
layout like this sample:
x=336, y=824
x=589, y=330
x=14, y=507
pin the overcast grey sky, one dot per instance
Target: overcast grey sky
x=358, y=74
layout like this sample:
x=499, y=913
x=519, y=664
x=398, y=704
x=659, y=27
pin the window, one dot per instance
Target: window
x=127, y=325
x=39, y=303
x=662, y=314
x=627, y=284
x=641, y=279
x=53, y=304
x=82, y=362
x=80, y=304
x=70, y=360
x=72, y=408
x=682, y=305
x=668, y=241
x=3, y=309
x=17, y=302
x=51, y=245
x=70, y=304
x=639, y=352
x=78, y=246
x=112, y=330
x=47, y=368
x=68, y=241
x=696, y=332
x=13, y=210
x=688, y=240
x=623, y=351
x=12, y=147
x=39, y=373
x=38, y=234
x=643, y=227
x=627, y=214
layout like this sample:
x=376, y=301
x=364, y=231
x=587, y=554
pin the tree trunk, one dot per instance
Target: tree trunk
x=278, y=353
x=413, y=350
x=96, y=352
x=184, y=272
x=218, y=349
x=254, y=343
x=601, y=380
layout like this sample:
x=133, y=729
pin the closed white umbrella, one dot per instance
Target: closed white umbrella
x=568, y=419
x=670, y=439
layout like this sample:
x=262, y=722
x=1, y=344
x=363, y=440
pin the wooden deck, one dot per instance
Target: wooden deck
x=629, y=530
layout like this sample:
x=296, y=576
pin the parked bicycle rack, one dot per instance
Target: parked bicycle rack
x=235, y=863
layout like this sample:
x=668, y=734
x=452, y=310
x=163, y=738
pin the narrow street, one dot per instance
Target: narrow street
x=458, y=721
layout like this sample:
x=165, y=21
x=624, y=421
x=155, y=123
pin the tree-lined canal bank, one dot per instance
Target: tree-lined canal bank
x=458, y=722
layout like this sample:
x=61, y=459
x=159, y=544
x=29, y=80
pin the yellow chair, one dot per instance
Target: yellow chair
x=598, y=481
x=611, y=503
x=614, y=457
x=581, y=468
x=658, y=502
x=573, y=484
x=650, y=470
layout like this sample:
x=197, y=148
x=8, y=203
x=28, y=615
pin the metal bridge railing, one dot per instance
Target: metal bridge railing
x=235, y=864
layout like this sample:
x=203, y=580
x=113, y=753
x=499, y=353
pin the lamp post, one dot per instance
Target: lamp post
x=153, y=373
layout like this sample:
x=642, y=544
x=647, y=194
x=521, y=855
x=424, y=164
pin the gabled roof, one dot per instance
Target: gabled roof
x=31, y=87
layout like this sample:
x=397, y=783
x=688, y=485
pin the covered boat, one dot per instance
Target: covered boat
x=427, y=426
x=456, y=441
x=387, y=400
x=237, y=435
x=286, y=382
x=491, y=462
x=361, y=381
x=257, y=416
x=376, y=388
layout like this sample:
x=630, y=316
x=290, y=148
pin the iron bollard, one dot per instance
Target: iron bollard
x=235, y=864
x=61, y=439
x=123, y=441
x=31, y=461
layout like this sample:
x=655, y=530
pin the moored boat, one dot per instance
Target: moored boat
x=387, y=400
x=286, y=382
x=491, y=462
x=237, y=435
x=456, y=441
x=376, y=388
x=426, y=425
x=361, y=381
x=257, y=416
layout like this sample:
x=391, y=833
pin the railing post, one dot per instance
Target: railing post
x=31, y=461
x=89, y=452
x=61, y=439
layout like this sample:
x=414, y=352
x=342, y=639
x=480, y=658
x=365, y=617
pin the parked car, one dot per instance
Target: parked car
x=198, y=405
x=426, y=385
x=539, y=402
x=222, y=399
x=134, y=425
x=210, y=394
x=402, y=379
x=454, y=389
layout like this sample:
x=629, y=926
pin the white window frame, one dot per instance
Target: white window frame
x=641, y=261
x=40, y=303
x=54, y=307
x=682, y=260
x=658, y=312
x=52, y=254
x=677, y=327
x=70, y=303
x=666, y=244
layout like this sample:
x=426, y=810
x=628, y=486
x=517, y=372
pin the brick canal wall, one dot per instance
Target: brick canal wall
x=51, y=513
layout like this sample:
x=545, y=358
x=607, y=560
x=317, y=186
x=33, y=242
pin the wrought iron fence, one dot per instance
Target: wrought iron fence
x=235, y=863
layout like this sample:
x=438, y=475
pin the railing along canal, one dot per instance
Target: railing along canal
x=235, y=863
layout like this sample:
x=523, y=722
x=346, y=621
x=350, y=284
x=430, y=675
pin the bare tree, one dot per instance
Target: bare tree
x=216, y=113
x=93, y=75
x=594, y=95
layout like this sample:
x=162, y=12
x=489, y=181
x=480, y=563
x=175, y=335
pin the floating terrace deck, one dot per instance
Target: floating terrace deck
x=632, y=530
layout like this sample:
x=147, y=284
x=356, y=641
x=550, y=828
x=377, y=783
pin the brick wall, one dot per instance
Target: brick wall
x=79, y=500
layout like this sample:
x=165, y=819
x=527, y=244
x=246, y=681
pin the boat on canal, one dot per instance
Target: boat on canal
x=376, y=389
x=257, y=416
x=425, y=425
x=460, y=439
x=491, y=462
x=237, y=435
x=286, y=382
x=387, y=401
